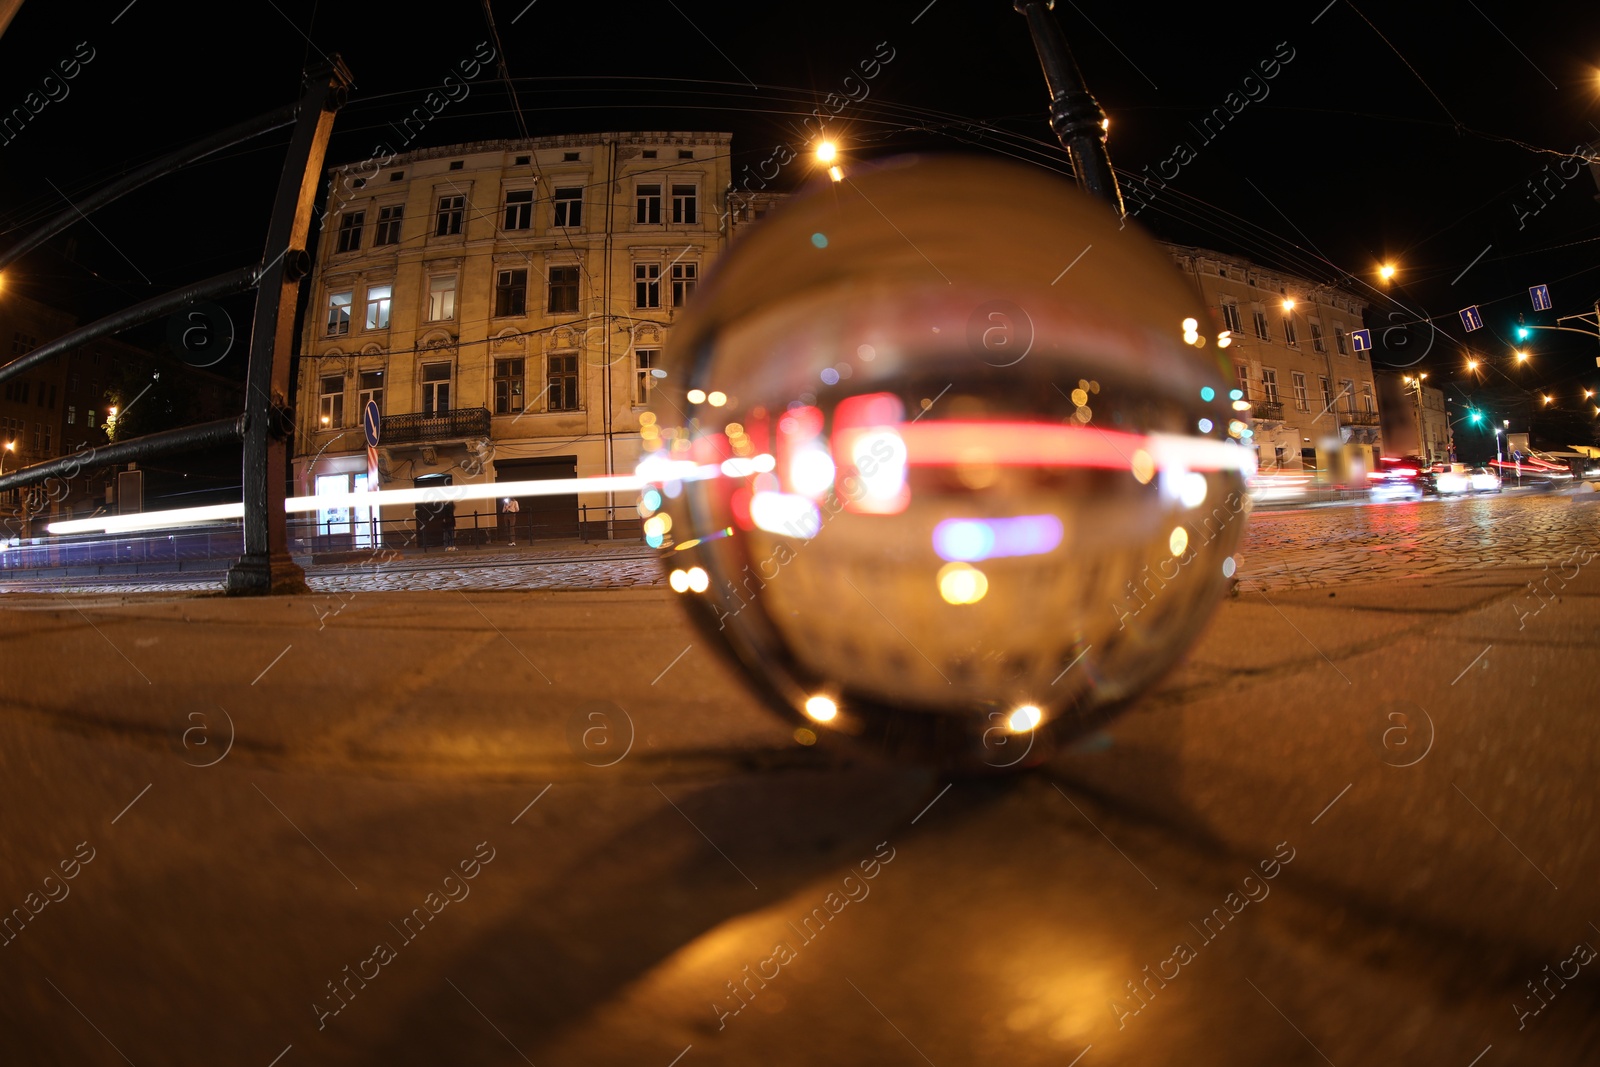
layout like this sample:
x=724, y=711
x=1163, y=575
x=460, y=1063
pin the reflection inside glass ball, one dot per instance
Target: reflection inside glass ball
x=953, y=501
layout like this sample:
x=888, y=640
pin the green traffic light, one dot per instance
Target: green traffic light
x=1522, y=333
x=1477, y=416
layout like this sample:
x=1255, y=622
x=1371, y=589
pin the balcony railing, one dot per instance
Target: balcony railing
x=1267, y=410
x=449, y=425
x=1358, y=418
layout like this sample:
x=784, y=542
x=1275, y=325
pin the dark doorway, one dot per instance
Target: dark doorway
x=436, y=519
x=538, y=517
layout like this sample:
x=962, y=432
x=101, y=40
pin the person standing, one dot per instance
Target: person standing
x=511, y=508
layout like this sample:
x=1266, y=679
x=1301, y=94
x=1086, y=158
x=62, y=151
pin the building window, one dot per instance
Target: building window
x=350, y=231
x=1327, y=397
x=378, y=307
x=569, y=157
x=685, y=153
x=72, y=415
x=508, y=381
x=441, y=297
x=1301, y=400
x=647, y=285
x=1261, y=325
x=563, y=289
x=683, y=204
x=1230, y=317
x=435, y=388
x=569, y=207
x=647, y=205
x=511, y=292
x=1269, y=385
x=1243, y=372
x=1316, y=338
x=371, y=390
x=331, y=409
x=457, y=164
x=523, y=161
x=1339, y=342
x=22, y=344
x=563, y=390
x=648, y=153
x=646, y=360
x=397, y=175
x=1288, y=332
x=339, y=312
x=451, y=209
x=1368, y=404
x=389, y=225
x=1347, y=388
x=88, y=418
x=685, y=276
x=519, y=210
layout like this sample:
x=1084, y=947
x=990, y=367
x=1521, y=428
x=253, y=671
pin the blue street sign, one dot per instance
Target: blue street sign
x=1361, y=339
x=1540, y=295
x=1471, y=319
x=371, y=422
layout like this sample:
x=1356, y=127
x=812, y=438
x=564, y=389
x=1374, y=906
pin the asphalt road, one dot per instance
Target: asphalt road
x=1356, y=826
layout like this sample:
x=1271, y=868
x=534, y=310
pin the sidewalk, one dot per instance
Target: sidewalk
x=1435, y=870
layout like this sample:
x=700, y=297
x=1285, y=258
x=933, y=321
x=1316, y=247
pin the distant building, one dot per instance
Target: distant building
x=505, y=305
x=1312, y=393
x=1413, y=426
x=31, y=405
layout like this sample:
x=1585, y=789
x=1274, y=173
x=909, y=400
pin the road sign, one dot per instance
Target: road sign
x=1361, y=339
x=1540, y=295
x=371, y=423
x=1471, y=319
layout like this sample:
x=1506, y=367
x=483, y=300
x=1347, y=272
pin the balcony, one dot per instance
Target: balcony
x=1358, y=418
x=1266, y=410
x=453, y=425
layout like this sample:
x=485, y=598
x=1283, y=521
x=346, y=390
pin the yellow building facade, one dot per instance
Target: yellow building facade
x=504, y=304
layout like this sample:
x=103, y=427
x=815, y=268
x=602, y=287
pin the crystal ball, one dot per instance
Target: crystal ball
x=945, y=461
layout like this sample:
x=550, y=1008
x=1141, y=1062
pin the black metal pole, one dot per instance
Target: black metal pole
x=1075, y=115
x=182, y=439
x=265, y=566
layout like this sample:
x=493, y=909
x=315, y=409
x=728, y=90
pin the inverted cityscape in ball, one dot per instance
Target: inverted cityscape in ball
x=945, y=461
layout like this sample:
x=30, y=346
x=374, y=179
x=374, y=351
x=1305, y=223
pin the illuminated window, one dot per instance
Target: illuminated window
x=371, y=390
x=339, y=312
x=441, y=297
x=1288, y=331
x=378, y=307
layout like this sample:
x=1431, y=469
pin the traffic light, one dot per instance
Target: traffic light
x=1522, y=333
x=1477, y=416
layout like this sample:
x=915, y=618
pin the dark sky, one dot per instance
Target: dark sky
x=1410, y=136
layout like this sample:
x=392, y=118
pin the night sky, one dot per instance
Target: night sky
x=1409, y=137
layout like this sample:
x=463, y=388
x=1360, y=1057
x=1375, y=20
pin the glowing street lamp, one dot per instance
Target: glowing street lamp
x=1288, y=303
x=11, y=446
x=1522, y=357
x=1386, y=271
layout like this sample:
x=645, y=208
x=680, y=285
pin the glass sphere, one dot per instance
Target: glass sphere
x=974, y=479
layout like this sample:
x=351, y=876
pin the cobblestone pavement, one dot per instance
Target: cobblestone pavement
x=1288, y=549
x=1298, y=549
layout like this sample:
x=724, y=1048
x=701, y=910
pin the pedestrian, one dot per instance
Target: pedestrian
x=449, y=527
x=511, y=507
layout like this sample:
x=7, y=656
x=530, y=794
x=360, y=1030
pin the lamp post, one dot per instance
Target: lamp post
x=10, y=446
x=1075, y=115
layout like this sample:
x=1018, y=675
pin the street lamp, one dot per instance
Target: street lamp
x=1422, y=444
x=1386, y=271
x=10, y=446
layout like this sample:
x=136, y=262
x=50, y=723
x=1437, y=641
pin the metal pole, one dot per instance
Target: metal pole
x=265, y=566
x=1075, y=116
